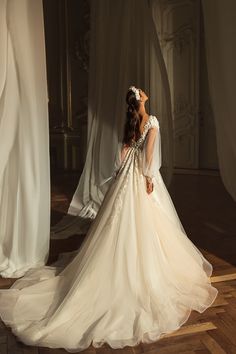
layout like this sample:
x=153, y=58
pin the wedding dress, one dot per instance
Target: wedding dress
x=136, y=277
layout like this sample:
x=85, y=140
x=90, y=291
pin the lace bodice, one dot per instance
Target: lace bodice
x=150, y=123
x=145, y=152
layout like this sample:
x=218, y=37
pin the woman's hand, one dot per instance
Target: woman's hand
x=149, y=185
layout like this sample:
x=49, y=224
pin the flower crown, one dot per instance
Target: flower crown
x=136, y=92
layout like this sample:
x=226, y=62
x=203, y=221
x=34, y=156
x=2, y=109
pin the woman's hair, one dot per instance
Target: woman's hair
x=131, y=128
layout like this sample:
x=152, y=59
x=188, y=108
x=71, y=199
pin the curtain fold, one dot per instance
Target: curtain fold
x=124, y=51
x=24, y=148
x=220, y=34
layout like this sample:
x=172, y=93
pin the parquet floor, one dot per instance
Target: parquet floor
x=209, y=217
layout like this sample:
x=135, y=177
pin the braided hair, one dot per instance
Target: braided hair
x=132, y=124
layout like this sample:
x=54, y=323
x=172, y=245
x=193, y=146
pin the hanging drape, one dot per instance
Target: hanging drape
x=220, y=34
x=124, y=51
x=24, y=152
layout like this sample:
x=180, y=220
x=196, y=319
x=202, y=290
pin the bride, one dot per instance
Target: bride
x=136, y=277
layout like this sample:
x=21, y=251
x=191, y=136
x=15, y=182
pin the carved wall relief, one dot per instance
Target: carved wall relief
x=179, y=33
x=67, y=42
x=182, y=42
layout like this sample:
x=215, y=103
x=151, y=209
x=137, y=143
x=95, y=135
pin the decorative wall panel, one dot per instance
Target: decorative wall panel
x=179, y=33
x=67, y=44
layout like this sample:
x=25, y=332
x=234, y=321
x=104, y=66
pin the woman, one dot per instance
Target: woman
x=136, y=276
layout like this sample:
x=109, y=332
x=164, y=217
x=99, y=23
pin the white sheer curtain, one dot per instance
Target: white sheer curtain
x=124, y=51
x=220, y=34
x=24, y=152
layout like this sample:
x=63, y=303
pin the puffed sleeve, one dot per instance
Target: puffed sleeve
x=151, y=153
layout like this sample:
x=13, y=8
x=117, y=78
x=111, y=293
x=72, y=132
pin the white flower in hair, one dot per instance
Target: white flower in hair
x=136, y=91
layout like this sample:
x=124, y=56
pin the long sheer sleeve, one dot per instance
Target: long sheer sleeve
x=151, y=153
x=120, y=155
x=119, y=158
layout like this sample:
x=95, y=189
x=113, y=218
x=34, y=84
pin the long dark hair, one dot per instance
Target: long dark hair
x=132, y=124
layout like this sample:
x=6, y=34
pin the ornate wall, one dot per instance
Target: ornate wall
x=67, y=45
x=182, y=42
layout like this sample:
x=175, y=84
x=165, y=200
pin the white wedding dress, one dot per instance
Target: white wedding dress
x=136, y=276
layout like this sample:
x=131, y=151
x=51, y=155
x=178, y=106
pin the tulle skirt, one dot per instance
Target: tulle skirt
x=136, y=277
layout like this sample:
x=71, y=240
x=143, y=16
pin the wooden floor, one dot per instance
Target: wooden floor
x=209, y=217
